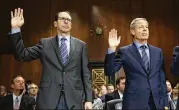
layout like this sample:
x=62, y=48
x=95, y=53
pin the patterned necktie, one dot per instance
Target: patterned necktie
x=145, y=58
x=63, y=50
x=16, y=104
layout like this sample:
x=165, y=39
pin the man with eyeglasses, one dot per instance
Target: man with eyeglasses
x=66, y=80
x=17, y=100
x=33, y=90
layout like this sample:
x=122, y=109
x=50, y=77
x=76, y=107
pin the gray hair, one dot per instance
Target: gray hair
x=133, y=23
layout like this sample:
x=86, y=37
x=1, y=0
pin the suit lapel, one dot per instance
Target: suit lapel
x=136, y=54
x=21, y=103
x=24, y=102
x=152, y=58
x=55, y=44
x=11, y=101
x=117, y=96
x=72, y=49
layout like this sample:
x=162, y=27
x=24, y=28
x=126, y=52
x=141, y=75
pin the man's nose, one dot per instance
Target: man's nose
x=144, y=28
x=66, y=21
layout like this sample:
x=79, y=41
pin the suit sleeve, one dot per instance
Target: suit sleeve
x=175, y=61
x=20, y=52
x=113, y=63
x=108, y=97
x=87, y=82
x=163, y=86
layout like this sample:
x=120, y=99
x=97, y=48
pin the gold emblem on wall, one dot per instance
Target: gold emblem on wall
x=98, y=78
x=98, y=29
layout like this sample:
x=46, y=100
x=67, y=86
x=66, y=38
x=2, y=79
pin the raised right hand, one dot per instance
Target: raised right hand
x=17, y=19
x=113, y=40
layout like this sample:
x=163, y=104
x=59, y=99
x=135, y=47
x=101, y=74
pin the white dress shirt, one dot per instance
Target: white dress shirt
x=19, y=98
x=120, y=94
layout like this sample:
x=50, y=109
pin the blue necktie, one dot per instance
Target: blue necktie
x=145, y=58
x=63, y=50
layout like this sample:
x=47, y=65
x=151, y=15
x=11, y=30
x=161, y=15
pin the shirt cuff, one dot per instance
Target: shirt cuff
x=15, y=30
x=110, y=51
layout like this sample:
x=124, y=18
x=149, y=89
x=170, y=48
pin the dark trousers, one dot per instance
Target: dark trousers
x=62, y=105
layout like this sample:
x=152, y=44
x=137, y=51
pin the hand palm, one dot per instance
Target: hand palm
x=17, y=21
x=114, y=42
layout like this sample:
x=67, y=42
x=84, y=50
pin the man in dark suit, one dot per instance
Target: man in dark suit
x=66, y=79
x=143, y=65
x=17, y=100
x=33, y=90
x=117, y=94
x=175, y=65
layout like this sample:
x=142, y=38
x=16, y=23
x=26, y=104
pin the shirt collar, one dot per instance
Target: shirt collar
x=138, y=45
x=169, y=93
x=67, y=37
x=19, y=97
x=120, y=93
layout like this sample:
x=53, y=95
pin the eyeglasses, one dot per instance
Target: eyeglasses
x=19, y=81
x=64, y=19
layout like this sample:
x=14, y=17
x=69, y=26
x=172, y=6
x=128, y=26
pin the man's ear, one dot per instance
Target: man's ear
x=12, y=86
x=132, y=31
x=55, y=23
x=117, y=86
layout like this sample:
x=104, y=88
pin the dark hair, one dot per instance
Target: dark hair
x=119, y=80
x=170, y=83
x=14, y=77
x=28, y=82
x=56, y=16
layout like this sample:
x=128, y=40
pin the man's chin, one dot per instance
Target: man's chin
x=66, y=30
x=145, y=38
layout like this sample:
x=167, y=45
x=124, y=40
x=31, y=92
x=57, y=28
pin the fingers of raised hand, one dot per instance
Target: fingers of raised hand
x=17, y=13
x=12, y=14
x=119, y=38
x=21, y=13
x=113, y=34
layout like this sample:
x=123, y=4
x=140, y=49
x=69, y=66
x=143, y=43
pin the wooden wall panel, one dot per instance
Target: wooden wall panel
x=111, y=14
x=163, y=24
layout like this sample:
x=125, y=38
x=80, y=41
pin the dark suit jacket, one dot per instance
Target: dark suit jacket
x=175, y=65
x=27, y=103
x=139, y=82
x=111, y=96
x=75, y=75
x=175, y=61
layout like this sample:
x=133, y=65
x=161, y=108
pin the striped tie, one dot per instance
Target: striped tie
x=145, y=58
x=63, y=50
